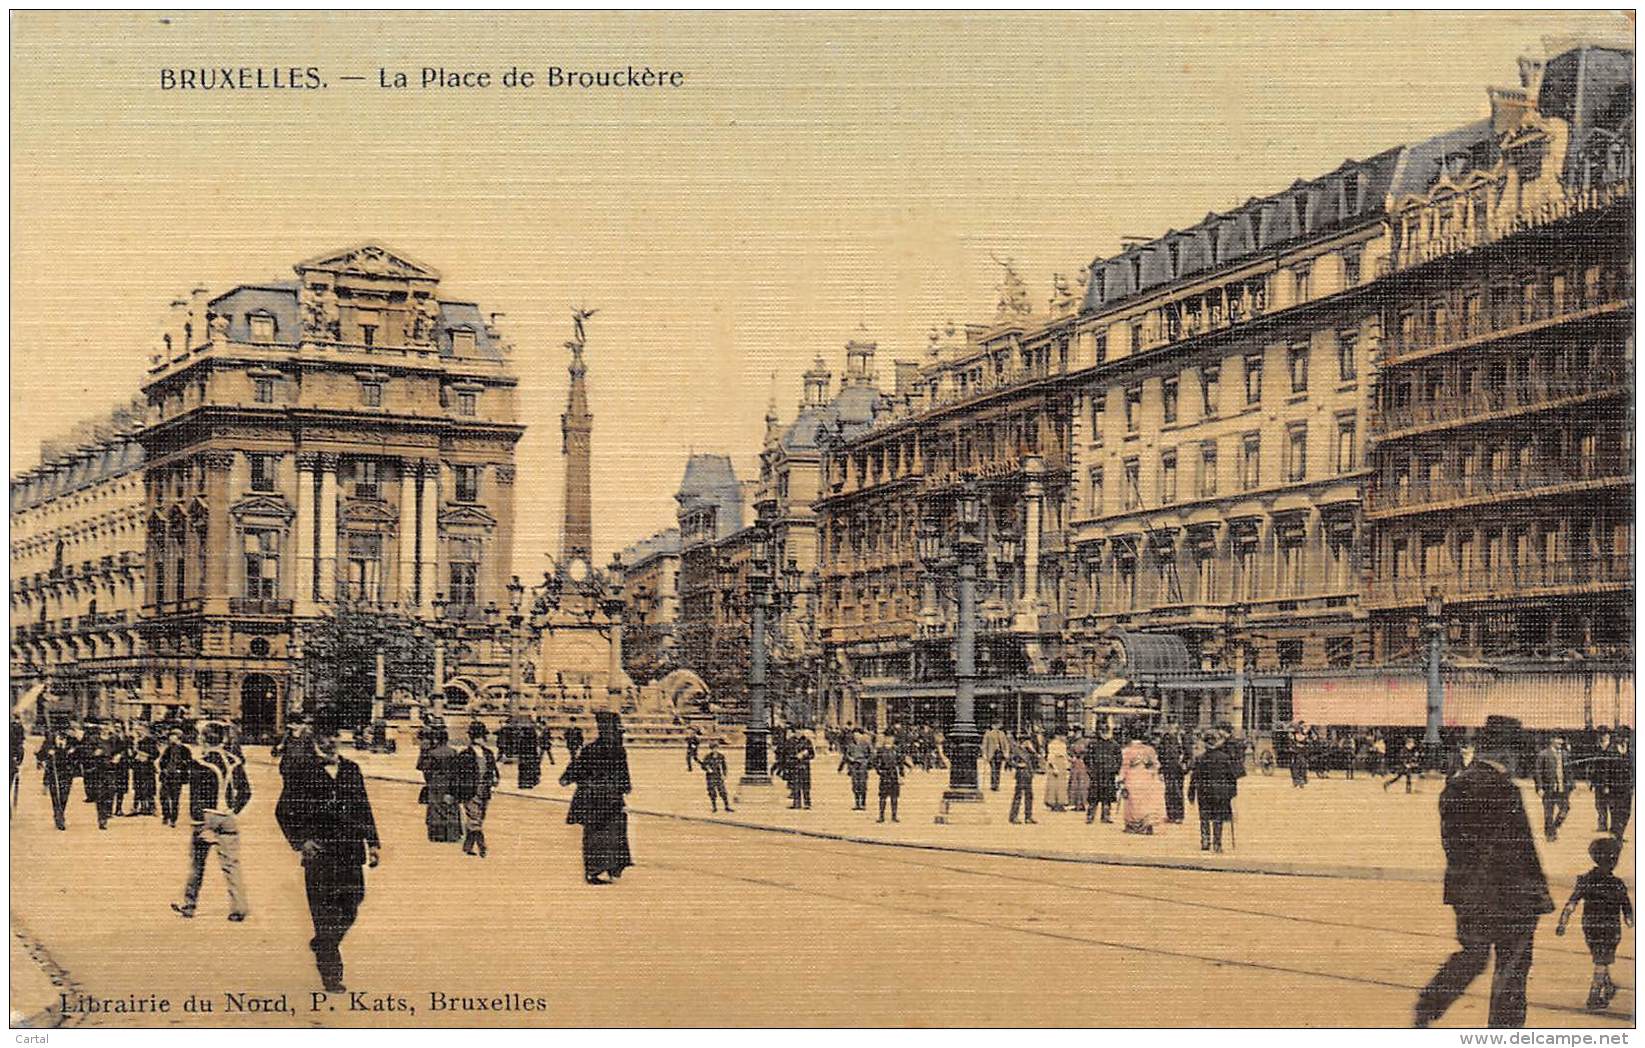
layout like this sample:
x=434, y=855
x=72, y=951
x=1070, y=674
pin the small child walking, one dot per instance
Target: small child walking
x=713, y=767
x=1605, y=906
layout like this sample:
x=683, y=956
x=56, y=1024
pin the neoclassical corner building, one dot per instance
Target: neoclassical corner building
x=346, y=436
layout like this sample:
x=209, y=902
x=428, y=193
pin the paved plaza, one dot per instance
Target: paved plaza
x=724, y=923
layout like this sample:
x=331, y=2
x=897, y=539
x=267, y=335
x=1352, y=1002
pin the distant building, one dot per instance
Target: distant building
x=77, y=572
x=651, y=593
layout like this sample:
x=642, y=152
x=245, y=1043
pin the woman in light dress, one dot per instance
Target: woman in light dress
x=1144, y=792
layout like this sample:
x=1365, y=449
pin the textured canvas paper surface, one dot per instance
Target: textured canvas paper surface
x=1136, y=510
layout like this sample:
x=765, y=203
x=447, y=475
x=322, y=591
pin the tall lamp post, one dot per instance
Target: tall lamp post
x=756, y=771
x=1434, y=626
x=438, y=696
x=962, y=801
x=516, y=593
x=611, y=602
x=1235, y=643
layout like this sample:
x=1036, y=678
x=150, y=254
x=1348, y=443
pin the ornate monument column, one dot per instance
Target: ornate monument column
x=428, y=527
x=576, y=430
x=408, y=536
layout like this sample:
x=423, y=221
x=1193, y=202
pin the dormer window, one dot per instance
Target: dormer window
x=1302, y=214
x=262, y=327
x=462, y=343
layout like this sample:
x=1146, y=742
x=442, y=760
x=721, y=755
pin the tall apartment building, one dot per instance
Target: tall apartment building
x=1503, y=449
x=343, y=438
x=77, y=573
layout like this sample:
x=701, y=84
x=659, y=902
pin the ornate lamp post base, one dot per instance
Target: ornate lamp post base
x=962, y=807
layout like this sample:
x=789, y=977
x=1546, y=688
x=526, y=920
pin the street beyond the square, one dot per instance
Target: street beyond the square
x=785, y=929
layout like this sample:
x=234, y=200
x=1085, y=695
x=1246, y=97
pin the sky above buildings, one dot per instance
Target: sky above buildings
x=815, y=175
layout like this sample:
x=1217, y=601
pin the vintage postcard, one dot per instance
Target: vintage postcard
x=917, y=520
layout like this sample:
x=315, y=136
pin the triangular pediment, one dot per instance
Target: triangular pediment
x=367, y=511
x=372, y=260
x=472, y=516
x=265, y=506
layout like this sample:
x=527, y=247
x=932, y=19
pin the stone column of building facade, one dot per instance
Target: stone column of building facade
x=303, y=543
x=428, y=579
x=1033, y=495
x=327, y=551
x=409, y=597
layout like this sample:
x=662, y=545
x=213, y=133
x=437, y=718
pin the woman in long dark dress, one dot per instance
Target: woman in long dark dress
x=600, y=773
x=529, y=750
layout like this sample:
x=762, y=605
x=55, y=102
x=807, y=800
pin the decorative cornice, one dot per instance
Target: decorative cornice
x=308, y=461
x=218, y=461
x=329, y=461
x=504, y=474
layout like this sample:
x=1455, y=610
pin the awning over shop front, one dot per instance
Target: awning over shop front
x=1108, y=689
x=1540, y=701
x=1371, y=700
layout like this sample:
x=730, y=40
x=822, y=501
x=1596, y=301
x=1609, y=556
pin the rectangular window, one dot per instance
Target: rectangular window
x=468, y=403
x=1297, y=359
x=180, y=579
x=1102, y=348
x=1347, y=355
x=1096, y=492
x=368, y=334
x=1351, y=259
x=1250, y=461
x=1296, y=452
x=1168, y=477
x=1345, y=444
x=1209, y=376
x=264, y=476
x=462, y=343
x=468, y=483
x=464, y=572
x=1208, y=469
x=363, y=575
x=371, y=394
x=1136, y=335
x=1133, y=409
x=1253, y=379
x=1099, y=400
x=1304, y=280
x=262, y=327
x=1339, y=651
x=1133, y=484
x=1168, y=399
x=1289, y=652
x=262, y=563
x=367, y=479
x=262, y=390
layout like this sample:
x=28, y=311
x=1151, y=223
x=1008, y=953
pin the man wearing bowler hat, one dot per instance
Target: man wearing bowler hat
x=1493, y=879
x=326, y=817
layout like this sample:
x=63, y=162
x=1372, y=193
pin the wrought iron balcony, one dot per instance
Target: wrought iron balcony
x=1446, y=493
x=1489, y=404
x=1507, y=580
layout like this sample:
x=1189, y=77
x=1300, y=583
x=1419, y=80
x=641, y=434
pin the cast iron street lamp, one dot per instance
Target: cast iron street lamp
x=1234, y=645
x=755, y=769
x=963, y=740
x=611, y=603
x=1434, y=625
x=516, y=593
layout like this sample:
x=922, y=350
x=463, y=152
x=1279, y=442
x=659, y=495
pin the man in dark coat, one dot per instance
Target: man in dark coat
x=1596, y=766
x=1025, y=763
x=889, y=762
x=801, y=751
x=600, y=773
x=56, y=758
x=145, y=754
x=1493, y=880
x=325, y=815
x=174, y=764
x=573, y=741
x=693, y=739
x=529, y=752
x=19, y=745
x=1618, y=772
x=1102, y=764
x=1552, y=775
x=1212, y=783
x=475, y=773
x=100, y=766
x=1171, y=772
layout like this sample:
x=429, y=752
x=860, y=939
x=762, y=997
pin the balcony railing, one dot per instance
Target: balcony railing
x=259, y=606
x=1483, y=405
x=1503, y=225
x=1507, y=580
x=1486, y=486
x=1520, y=317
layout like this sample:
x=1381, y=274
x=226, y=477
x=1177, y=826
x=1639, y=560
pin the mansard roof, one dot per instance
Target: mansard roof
x=1353, y=194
